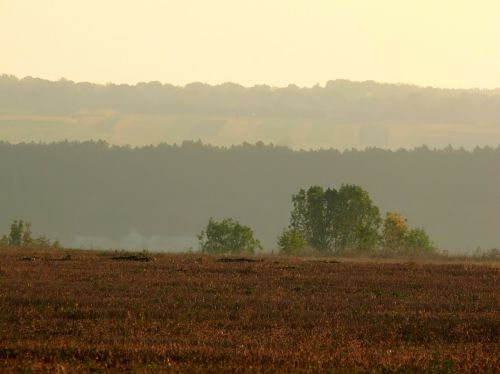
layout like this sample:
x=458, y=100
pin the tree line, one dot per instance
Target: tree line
x=95, y=189
x=342, y=101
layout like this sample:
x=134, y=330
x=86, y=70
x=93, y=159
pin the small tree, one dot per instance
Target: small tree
x=291, y=242
x=227, y=236
x=27, y=238
x=16, y=233
x=419, y=242
x=399, y=238
x=395, y=232
x=4, y=240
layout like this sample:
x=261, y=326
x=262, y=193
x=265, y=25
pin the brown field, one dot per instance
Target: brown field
x=191, y=313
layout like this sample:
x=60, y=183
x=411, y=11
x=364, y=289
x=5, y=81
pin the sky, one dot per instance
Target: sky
x=441, y=43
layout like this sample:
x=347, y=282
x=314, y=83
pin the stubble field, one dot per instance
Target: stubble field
x=96, y=311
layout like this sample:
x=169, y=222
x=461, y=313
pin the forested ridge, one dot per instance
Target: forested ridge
x=340, y=114
x=68, y=189
x=339, y=100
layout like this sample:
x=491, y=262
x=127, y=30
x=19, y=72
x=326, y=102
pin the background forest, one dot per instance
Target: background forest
x=160, y=197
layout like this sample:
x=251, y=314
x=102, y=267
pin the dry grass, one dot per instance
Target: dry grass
x=88, y=311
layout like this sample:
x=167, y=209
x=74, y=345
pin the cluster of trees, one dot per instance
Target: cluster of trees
x=21, y=235
x=345, y=221
x=328, y=221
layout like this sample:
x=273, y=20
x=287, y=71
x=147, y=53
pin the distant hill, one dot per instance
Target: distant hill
x=342, y=114
x=162, y=196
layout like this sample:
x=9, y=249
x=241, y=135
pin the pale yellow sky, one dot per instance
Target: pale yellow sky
x=446, y=43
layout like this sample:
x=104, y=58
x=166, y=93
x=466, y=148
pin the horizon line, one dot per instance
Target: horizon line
x=275, y=87
x=259, y=143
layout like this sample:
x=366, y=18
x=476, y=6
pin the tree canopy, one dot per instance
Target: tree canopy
x=336, y=221
x=346, y=221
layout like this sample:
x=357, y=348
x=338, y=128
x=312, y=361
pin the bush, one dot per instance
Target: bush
x=227, y=236
x=394, y=232
x=292, y=242
x=418, y=242
x=397, y=237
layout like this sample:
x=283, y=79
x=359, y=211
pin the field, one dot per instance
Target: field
x=66, y=311
x=225, y=130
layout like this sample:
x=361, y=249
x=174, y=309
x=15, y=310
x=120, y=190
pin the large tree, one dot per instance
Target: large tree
x=336, y=221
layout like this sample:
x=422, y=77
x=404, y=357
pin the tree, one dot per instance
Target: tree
x=227, y=236
x=395, y=232
x=27, y=238
x=336, y=221
x=309, y=216
x=356, y=220
x=419, y=242
x=16, y=233
x=291, y=242
x=399, y=238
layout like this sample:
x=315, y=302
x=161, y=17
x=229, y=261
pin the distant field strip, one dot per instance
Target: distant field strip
x=299, y=133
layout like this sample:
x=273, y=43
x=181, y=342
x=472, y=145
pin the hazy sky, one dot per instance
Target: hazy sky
x=448, y=43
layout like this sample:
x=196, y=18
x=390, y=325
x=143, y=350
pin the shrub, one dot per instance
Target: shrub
x=292, y=242
x=397, y=237
x=394, y=232
x=227, y=236
x=419, y=242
